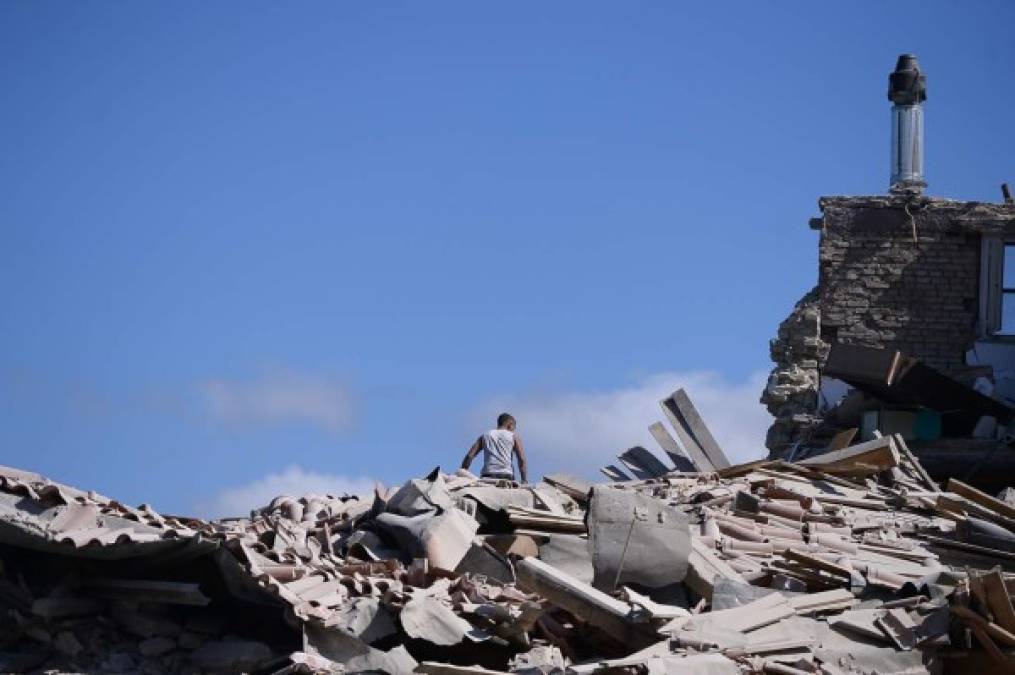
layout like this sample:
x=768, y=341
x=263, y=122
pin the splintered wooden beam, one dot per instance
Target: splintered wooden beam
x=981, y=498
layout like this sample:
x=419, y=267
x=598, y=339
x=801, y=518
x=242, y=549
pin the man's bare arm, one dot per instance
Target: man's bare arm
x=523, y=466
x=471, y=454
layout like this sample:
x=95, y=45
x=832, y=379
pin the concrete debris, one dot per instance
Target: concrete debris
x=630, y=534
x=851, y=561
x=429, y=619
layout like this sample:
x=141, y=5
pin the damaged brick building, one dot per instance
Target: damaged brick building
x=928, y=277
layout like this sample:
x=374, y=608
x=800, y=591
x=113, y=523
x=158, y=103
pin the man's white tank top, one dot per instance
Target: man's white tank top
x=498, y=448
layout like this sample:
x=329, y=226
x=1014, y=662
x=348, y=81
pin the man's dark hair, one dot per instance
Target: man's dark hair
x=503, y=419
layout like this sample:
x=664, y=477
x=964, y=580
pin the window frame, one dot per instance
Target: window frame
x=992, y=288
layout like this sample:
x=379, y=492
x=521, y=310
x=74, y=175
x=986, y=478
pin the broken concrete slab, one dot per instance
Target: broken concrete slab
x=568, y=553
x=364, y=618
x=634, y=538
x=355, y=654
x=429, y=619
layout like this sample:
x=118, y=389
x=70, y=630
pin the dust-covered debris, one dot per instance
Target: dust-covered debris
x=849, y=562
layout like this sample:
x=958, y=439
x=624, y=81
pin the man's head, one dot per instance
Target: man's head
x=505, y=421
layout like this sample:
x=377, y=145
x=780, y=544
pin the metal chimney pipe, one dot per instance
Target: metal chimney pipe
x=907, y=90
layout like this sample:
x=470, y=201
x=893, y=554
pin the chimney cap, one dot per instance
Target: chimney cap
x=907, y=84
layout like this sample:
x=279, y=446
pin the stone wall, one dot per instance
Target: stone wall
x=791, y=395
x=879, y=287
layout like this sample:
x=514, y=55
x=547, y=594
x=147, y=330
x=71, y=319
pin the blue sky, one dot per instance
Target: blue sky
x=252, y=246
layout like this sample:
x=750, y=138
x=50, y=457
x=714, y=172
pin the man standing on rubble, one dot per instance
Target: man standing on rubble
x=499, y=447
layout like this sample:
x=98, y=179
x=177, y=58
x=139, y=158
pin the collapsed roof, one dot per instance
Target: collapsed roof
x=853, y=561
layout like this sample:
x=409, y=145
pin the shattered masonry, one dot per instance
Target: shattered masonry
x=877, y=287
x=849, y=562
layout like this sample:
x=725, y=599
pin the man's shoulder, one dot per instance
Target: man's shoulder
x=499, y=432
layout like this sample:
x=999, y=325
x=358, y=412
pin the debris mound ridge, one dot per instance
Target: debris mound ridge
x=854, y=561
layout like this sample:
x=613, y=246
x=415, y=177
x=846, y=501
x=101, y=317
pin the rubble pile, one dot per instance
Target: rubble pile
x=961, y=424
x=853, y=561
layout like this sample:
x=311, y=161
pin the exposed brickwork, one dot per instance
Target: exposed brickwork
x=878, y=287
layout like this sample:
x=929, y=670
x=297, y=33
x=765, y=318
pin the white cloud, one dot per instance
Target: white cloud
x=278, y=398
x=294, y=481
x=581, y=431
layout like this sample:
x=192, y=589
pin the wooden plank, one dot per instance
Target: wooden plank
x=998, y=600
x=866, y=458
x=989, y=645
x=699, y=430
x=981, y=498
x=817, y=475
x=670, y=446
x=655, y=609
x=691, y=447
x=614, y=473
x=574, y=487
x=646, y=460
x=971, y=548
x=995, y=631
x=704, y=566
x=763, y=611
x=865, y=364
x=898, y=626
x=610, y=615
x=738, y=470
x=634, y=469
x=900, y=444
x=955, y=503
x=814, y=602
x=816, y=563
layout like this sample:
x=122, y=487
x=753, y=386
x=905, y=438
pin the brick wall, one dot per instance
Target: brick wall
x=879, y=288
